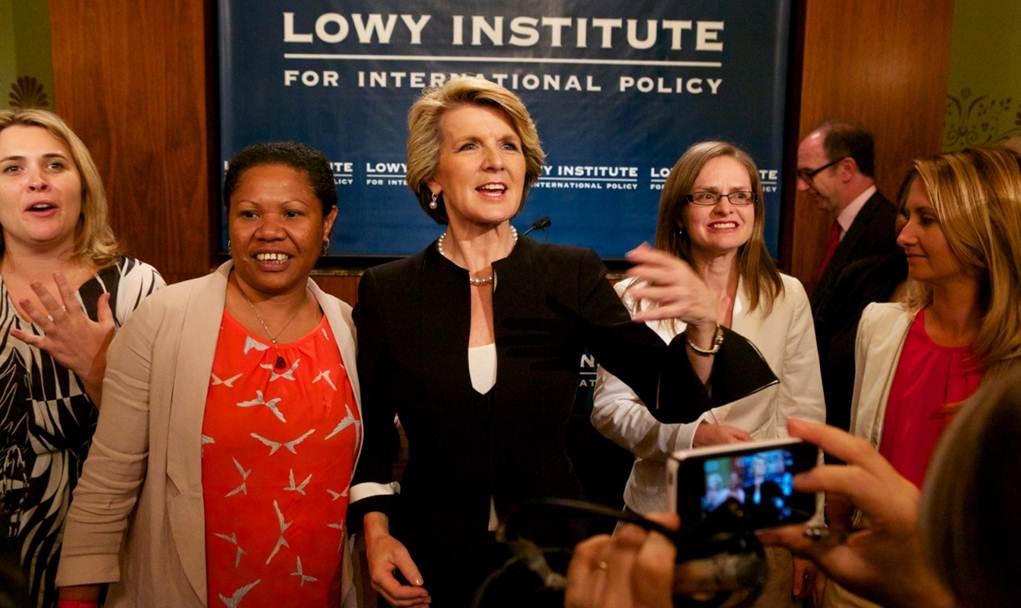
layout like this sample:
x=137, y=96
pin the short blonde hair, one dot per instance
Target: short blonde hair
x=976, y=194
x=756, y=267
x=424, y=134
x=93, y=239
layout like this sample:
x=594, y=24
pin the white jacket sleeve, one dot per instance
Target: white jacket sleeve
x=861, y=348
x=620, y=415
x=801, y=394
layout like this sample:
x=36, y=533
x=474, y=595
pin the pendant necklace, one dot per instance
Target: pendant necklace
x=280, y=363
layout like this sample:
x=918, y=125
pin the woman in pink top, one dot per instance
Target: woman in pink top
x=918, y=361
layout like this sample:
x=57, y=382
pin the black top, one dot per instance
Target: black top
x=550, y=304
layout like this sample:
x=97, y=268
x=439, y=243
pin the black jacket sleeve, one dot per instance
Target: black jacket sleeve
x=381, y=439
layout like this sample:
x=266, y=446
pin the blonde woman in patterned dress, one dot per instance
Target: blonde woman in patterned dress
x=64, y=290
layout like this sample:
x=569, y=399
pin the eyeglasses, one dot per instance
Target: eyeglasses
x=739, y=197
x=809, y=174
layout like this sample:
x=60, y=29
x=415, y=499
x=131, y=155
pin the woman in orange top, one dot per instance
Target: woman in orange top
x=231, y=416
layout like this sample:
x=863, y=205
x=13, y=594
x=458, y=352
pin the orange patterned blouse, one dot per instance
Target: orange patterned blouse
x=279, y=439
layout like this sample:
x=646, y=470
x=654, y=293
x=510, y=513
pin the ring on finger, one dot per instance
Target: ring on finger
x=50, y=317
x=602, y=565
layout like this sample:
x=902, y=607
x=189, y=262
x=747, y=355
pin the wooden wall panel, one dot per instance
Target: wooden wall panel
x=131, y=78
x=343, y=284
x=884, y=64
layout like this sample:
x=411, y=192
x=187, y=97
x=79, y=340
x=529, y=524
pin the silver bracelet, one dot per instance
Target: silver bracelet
x=704, y=352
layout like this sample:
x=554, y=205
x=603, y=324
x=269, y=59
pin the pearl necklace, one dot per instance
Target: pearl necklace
x=475, y=281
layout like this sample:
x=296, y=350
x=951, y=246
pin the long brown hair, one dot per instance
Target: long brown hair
x=754, y=264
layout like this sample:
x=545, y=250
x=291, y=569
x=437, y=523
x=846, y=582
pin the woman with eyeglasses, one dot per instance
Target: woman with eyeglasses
x=711, y=215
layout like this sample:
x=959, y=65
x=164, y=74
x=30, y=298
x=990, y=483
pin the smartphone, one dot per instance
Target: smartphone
x=742, y=486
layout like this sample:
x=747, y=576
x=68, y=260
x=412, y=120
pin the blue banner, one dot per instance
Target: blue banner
x=618, y=91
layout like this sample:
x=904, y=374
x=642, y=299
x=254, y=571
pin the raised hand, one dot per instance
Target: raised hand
x=69, y=335
x=676, y=289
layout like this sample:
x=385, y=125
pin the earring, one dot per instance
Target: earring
x=228, y=246
x=432, y=200
x=326, y=246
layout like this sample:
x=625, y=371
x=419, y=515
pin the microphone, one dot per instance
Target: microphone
x=540, y=224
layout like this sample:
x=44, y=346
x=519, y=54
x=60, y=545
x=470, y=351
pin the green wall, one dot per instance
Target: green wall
x=984, y=89
x=26, y=68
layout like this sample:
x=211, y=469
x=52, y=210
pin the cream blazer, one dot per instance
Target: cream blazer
x=137, y=518
x=785, y=337
x=881, y=334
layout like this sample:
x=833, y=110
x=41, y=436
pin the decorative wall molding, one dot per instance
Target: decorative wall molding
x=28, y=92
x=976, y=120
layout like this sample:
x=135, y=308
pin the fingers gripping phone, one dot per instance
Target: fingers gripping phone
x=741, y=487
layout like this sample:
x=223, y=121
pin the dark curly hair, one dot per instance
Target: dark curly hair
x=296, y=155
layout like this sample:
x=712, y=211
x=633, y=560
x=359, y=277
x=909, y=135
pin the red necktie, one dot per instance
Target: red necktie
x=831, y=247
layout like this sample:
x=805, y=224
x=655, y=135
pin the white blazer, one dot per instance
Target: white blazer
x=785, y=337
x=881, y=334
x=137, y=518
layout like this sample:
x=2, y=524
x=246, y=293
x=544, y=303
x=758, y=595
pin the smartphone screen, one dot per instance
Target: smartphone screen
x=752, y=484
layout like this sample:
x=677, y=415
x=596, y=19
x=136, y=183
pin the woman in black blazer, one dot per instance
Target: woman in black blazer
x=434, y=328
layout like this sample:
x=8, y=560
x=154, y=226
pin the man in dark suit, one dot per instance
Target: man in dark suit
x=836, y=168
